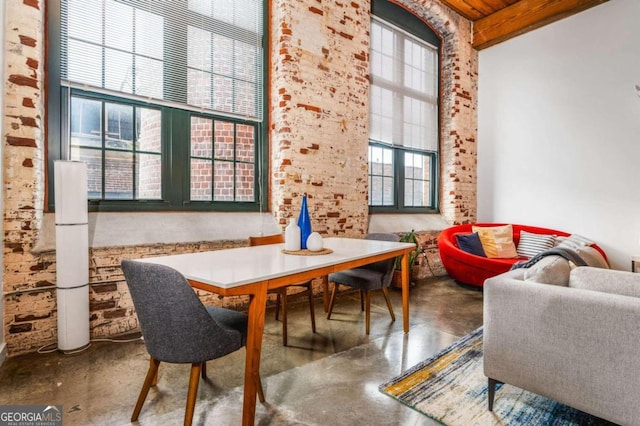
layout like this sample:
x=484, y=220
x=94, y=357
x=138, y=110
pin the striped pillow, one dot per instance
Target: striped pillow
x=531, y=244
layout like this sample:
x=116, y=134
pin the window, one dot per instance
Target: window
x=163, y=100
x=403, y=138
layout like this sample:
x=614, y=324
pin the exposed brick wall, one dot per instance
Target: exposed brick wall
x=318, y=145
x=319, y=113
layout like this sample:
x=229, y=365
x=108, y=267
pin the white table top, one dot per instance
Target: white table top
x=234, y=267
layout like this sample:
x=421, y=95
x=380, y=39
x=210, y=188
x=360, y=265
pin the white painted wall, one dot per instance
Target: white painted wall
x=559, y=128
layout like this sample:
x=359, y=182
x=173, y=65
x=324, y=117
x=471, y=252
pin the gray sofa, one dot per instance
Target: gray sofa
x=577, y=342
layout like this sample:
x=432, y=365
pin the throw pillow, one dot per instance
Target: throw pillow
x=531, y=244
x=550, y=270
x=497, y=241
x=470, y=243
x=573, y=241
x=592, y=257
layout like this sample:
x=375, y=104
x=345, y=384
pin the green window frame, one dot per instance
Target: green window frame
x=139, y=144
x=404, y=135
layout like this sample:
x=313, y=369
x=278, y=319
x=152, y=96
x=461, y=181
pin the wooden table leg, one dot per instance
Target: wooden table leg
x=405, y=292
x=257, y=307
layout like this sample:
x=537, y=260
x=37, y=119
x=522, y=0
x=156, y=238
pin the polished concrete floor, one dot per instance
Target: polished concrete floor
x=327, y=378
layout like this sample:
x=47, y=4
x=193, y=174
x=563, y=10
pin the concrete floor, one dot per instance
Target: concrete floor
x=327, y=378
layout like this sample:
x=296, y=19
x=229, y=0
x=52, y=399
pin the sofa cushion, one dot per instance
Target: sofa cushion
x=470, y=243
x=531, y=244
x=605, y=280
x=550, y=270
x=497, y=241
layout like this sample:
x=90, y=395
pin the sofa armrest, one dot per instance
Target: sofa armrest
x=606, y=281
x=575, y=346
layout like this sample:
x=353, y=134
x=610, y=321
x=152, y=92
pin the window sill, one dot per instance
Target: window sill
x=128, y=229
x=395, y=222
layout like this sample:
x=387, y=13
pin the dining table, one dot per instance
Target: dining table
x=251, y=271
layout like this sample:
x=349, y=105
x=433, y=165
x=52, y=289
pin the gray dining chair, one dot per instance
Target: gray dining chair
x=367, y=278
x=178, y=328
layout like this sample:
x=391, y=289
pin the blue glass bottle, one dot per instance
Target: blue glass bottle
x=304, y=222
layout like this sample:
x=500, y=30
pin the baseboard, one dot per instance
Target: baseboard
x=3, y=352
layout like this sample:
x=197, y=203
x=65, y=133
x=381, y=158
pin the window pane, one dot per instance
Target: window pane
x=148, y=177
x=149, y=130
x=201, y=6
x=199, y=51
x=149, y=34
x=86, y=122
x=118, y=28
x=223, y=181
x=85, y=68
x=244, y=58
x=149, y=77
x=201, y=137
x=381, y=114
x=245, y=143
x=417, y=180
x=245, y=98
x=381, y=171
x=199, y=93
x=387, y=191
x=118, y=69
x=119, y=126
x=200, y=180
x=414, y=126
x=375, y=191
x=223, y=55
x=223, y=140
x=118, y=175
x=93, y=158
x=85, y=20
x=222, y=94
x=244, y=182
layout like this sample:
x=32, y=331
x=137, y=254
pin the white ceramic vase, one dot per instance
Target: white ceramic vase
x=314, y=242
x=292, y=236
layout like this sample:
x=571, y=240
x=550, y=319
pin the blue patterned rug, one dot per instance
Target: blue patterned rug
x=451, y=388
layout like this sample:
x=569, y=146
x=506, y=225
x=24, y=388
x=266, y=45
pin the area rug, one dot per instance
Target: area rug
x=451, y=388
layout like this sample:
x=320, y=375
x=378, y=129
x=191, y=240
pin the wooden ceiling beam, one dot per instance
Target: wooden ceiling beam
x=522, y=17
x=472, y=10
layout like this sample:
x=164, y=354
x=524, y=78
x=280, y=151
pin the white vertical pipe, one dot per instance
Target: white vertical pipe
x=72, y=254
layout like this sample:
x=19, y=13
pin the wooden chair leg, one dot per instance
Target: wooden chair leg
x=204, y=370
x=334, y=292
x=148, y=382
x=311, y=310
x=260, y=389
x=154, y=382
x=362, y=297
x=325, y=292
x=367, y=312
x=385, y=291
x=193, y=393
x=284, y=318
x=278, y=301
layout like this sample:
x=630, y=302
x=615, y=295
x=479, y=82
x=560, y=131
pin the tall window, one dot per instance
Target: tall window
x=162, y=99
x=403, y=139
